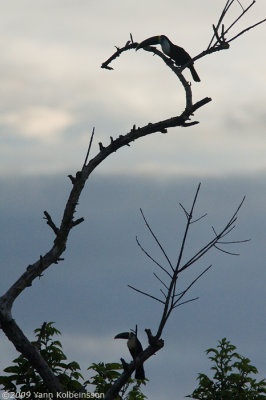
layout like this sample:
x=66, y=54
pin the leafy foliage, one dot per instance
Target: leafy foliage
x=22, y=377
x=232, y=380
x=106, y=375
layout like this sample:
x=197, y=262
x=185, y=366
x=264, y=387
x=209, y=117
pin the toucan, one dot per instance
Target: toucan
x=135, y=348
x=176, y=53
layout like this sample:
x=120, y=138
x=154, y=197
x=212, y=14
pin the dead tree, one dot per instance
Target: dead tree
x=171, y=298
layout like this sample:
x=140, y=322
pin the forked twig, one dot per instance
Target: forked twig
x=239, y=17
x=175, y=303
x=220, y=37
x=189, y=219
x=185, y=302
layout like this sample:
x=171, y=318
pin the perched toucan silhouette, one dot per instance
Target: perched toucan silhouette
x=176, y=53
x=135, y=348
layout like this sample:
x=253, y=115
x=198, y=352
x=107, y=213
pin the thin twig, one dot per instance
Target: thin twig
x=189, y=218
x=198, y=219
x=149, y=256
x=146, y=294
x=185, y=211
x=190, y=285
x=50, y=222
x=178, y=294
x=215, y=240
x=235, y=241
x=221, y=39
x=117, y=54
x=89, y=149
x=240, y=16
x=226, y=8
x=229, y=230
x=156, y=240
x=226, y=252
x=160, y=280
x=241, y=4
x=185, y=302
x=245, y=30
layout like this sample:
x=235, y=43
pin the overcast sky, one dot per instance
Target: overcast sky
x=53, y=92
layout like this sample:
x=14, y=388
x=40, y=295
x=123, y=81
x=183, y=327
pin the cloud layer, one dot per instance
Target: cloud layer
x=54, y=91
x=102, y=258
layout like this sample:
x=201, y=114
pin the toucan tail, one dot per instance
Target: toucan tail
x=140, y=374
x=194, y=74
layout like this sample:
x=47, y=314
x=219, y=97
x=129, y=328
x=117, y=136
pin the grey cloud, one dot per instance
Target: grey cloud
x=102, y=258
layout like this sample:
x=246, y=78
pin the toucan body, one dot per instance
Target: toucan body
x=135, y=348
x=176, y=53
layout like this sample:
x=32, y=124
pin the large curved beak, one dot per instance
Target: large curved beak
x=148, y=42
x=123, y=335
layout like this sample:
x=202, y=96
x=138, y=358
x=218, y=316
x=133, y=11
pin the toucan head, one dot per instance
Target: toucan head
x=150, y=41
x=161, y=39
x=125, y=335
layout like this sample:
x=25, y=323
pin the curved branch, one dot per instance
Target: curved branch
x=169, y=63
x=119, y=51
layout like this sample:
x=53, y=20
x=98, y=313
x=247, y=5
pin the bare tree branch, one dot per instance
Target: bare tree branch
x=240, y=16
x=149, y=256
x=156, y=276
x=172, y=299
x=146, y=294
x=189, y=218
x=223, y=13
x=89, y=148
x=164, y=295
x=247, y=29
x=156, y=240
x=226, y=252
x=214, y=241
x=189, y=286
x=50, y=222
x=185, y=302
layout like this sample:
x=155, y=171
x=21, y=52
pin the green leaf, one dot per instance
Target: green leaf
x=231, y=380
